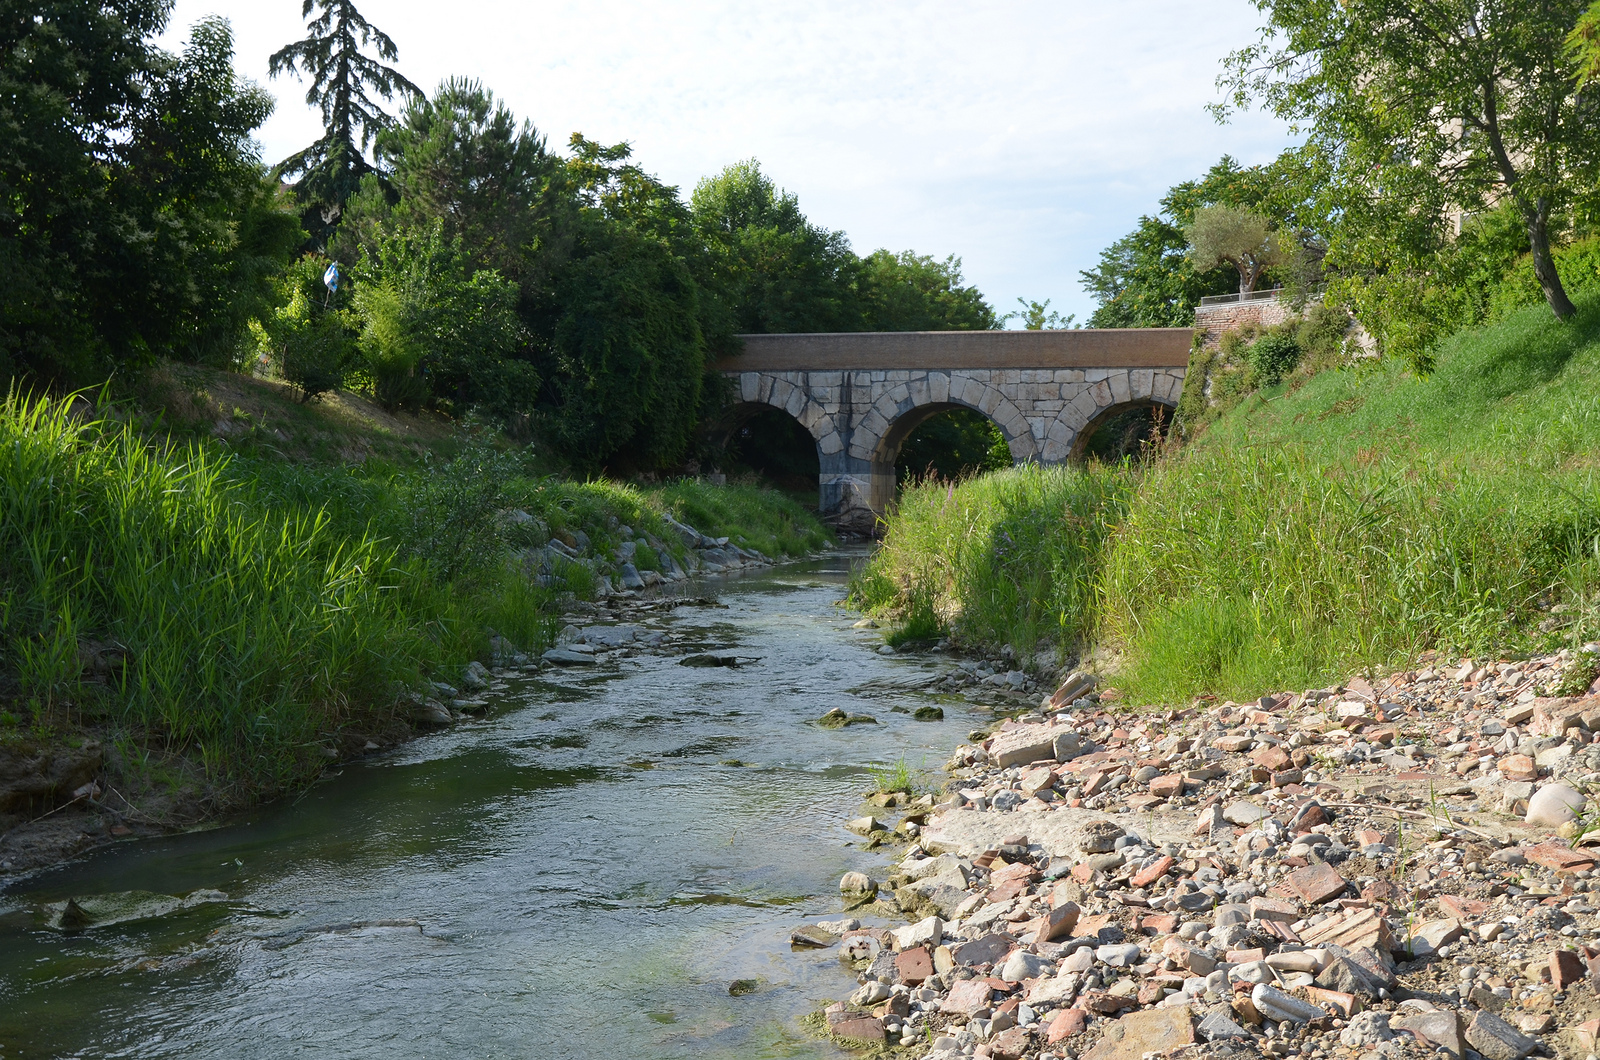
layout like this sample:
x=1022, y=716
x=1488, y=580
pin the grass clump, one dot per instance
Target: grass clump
x=898, y=777
x=749, y=516
x=1007, y=558
x=1369, y=514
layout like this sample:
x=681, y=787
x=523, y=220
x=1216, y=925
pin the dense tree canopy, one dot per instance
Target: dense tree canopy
x=776, y=270
x=461, y=158
x=134, y=219
x=912, y=292
x=1428, y=111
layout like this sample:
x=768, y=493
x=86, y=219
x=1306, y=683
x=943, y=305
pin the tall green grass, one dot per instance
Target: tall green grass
x=254, y=609
x=1351, y=520
x=1007, y=558
x=243, y=634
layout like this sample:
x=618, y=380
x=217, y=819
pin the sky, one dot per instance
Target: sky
x=1022, y=137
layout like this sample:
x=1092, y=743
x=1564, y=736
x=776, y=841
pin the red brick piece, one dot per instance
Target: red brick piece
x=1009, y=1044
x=1558, y=857
x=1316, y=884
x=1145, y=877
x=1566, y=969
x=1518, y=767
x=1268, y=909
x=1058, y=922
x=1158, y=924
x=968, y=996
x=1103, y=1004
x=1068, y=1021
x=914, y=965
x=1272, y=758
x=1462, y=908
x=1167, y=786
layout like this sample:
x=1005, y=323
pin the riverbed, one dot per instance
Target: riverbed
x=580, y=872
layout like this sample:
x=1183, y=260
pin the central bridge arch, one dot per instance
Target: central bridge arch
x=860, y=395
x=906, y=406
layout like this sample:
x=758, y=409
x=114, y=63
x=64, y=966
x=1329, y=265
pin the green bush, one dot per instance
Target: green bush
x=316, y=355
x=1272, y=357
x=455, y=526
x=1578, y=265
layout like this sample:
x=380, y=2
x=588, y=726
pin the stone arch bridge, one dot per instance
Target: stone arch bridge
x=860, y=395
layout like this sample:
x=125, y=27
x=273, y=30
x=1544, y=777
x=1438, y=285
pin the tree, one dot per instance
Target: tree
x=461, y=159
x=1426, y=111
x=1583, y=46
x=625, y=363
x=134, y=220
x=1226, y=234
x=1038, y=316
x=774, y=269
x=911, y=292
x=343, y=80
x=1147, y=280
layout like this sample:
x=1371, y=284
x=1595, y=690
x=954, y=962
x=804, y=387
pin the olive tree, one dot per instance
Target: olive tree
x=1428, y=111
x=1228, y=235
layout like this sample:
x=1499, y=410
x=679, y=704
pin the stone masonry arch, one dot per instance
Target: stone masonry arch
x=1080, y=442
x=906, y=405
x=790, y=393
x=860, y=394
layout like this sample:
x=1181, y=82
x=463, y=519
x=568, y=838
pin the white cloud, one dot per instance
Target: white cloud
x=1024, y=137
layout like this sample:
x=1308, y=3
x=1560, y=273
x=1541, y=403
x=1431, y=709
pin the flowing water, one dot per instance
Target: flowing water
x=580, y=873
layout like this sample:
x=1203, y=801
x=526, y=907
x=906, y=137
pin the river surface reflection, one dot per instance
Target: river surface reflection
x=580, y=873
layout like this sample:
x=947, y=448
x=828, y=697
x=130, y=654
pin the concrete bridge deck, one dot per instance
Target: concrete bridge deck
x=860, y=395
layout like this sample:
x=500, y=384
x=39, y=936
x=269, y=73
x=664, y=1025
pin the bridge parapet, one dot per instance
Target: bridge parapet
x=860, y=395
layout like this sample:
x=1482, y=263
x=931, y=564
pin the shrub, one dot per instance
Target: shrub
x=455, y=523
x=315, y=355
x=1272, y=357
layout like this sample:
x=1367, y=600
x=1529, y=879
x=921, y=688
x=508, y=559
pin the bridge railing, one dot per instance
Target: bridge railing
x=1253, y=296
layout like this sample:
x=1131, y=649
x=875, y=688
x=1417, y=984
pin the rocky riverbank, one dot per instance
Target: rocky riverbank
x=63, y=796
x=1391, y=868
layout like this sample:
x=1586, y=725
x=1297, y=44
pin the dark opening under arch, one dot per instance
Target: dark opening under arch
x=1122, y=432
x=948, y=442
x=770, y=443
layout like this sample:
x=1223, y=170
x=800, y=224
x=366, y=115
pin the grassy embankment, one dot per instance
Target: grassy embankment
x=1348, y=519
x=229, y=615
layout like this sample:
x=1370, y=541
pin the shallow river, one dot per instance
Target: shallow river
x=586, y=867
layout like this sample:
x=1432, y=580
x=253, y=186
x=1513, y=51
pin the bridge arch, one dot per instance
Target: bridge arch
x=1107, y=415
x=1069, y=430
x=903, y=408
x=762, y=389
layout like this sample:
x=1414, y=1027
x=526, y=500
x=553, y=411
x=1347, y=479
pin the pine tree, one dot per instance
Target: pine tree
x=343, y=84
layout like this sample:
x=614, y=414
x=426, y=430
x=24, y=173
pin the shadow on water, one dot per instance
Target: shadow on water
x=580, y=874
